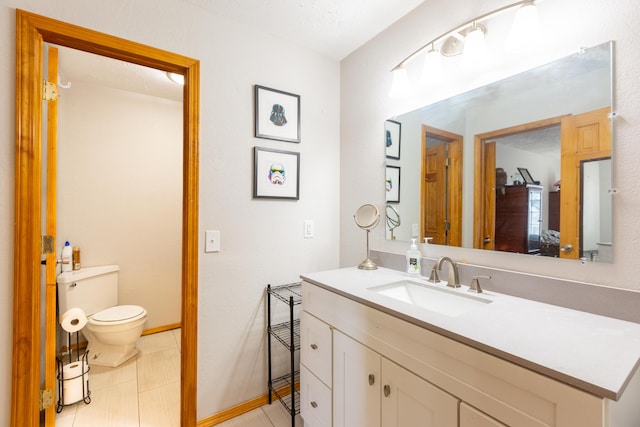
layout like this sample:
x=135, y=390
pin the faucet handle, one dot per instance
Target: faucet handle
x=433, y=277
x=475, y=284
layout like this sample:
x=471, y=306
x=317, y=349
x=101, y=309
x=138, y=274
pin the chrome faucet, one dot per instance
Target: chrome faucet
x=453, y=278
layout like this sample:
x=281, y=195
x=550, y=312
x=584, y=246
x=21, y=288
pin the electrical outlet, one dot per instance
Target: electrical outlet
x=212, y=241
x=308, y=228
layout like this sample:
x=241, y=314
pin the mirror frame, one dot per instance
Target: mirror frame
x=32, y=31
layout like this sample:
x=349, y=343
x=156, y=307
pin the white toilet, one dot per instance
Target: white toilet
x=111, y=330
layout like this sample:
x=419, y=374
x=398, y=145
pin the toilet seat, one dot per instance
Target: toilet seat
x=117, y=315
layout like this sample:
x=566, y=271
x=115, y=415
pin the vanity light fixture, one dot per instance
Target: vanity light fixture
x=475, y=46
x=176, y=78
x=468, y=39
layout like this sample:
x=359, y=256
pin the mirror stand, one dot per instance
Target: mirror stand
x=367, y=264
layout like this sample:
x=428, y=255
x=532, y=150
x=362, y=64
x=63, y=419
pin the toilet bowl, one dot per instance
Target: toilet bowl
x=112, y=334
x=111, y=330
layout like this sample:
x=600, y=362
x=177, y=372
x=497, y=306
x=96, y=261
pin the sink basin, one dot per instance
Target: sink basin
x=432, y=298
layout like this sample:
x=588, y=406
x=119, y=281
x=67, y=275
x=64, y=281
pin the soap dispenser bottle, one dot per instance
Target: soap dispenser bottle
x=413, y=259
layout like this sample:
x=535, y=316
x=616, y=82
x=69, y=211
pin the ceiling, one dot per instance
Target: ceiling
x=333, y=28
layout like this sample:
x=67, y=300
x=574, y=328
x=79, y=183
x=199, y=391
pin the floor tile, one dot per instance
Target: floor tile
x=160, y=406
x=158, y=369
x=156, y=342
x=67, y=416
x=279, y=416
x=104, y=376
x=178, y=337
x=115, y=406
x=255, y=418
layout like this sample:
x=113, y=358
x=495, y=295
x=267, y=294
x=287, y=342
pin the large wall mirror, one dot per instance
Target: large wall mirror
x=521, y=165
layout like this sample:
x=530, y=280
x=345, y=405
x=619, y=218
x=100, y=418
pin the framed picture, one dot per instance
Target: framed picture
x=392, y=138
x=276, y=174
x=392, y=184
x=526, y=176
x=277, y=114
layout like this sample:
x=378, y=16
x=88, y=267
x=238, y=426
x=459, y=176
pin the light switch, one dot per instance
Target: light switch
x=212, y=241
x=415, y=230
x=308, y=228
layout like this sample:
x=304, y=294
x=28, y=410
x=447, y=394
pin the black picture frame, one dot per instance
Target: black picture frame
x=392, y=184
x=392, y=138
x=277, y=114
x=526, y=176
x=276, y=174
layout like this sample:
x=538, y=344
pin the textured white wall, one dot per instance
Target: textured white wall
x=120, y=191
x=262, y=240
x=569, y=24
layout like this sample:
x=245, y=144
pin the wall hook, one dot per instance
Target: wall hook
x=63, y=86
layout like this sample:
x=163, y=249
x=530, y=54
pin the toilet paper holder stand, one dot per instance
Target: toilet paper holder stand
x=83, y=376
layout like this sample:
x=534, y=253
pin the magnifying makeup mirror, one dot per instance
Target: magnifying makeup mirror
x=392, y=219
x=367, y=217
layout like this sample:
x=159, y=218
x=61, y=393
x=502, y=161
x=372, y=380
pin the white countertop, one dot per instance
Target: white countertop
x=594, y=353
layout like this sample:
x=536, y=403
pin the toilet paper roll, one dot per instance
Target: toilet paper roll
x=73, y=320
x=72, y=382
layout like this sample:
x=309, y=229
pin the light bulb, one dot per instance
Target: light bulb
x=475, y=47
x=432, y=71
x=525, y=32
x=176, y=78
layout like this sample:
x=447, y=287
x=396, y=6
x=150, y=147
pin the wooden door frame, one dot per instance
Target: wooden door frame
x=479, y=169
x=31, y=33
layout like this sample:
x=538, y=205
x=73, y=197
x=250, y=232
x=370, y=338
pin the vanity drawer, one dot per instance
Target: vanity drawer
x=315, y=347
x=315, y=400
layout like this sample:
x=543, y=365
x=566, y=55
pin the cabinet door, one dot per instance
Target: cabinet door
x=410, y=401
x=356, y=383
x=471, y=417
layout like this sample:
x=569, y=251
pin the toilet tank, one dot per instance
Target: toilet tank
x=92, y=289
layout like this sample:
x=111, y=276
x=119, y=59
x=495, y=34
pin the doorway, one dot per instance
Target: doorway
x=31, y=32
x=441, y=187
x=583, y=137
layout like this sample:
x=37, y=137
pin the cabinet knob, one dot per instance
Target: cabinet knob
x=314, y=347
x=387, y=390
x=313, y=404
x=372, y=379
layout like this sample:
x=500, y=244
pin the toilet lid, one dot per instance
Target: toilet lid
x=118, y=313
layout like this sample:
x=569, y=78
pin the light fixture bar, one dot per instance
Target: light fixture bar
x=458, y=29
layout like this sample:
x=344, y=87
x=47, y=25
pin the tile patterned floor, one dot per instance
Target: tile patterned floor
x=145, y=392
x=274, y=415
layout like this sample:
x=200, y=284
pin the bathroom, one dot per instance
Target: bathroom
x=262, y=240
x=135, y=223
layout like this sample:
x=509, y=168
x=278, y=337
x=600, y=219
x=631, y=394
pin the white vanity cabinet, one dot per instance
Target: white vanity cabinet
x=432, y=380
x=471, y=417
x=370, y=390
